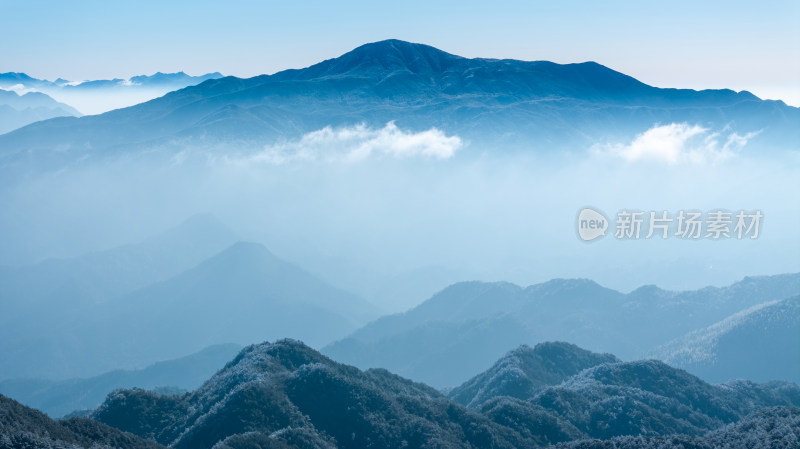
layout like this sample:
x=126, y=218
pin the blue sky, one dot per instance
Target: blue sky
x=736, y=44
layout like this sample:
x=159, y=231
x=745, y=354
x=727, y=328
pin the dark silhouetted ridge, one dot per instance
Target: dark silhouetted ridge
x=22, y=427
x=285, y=392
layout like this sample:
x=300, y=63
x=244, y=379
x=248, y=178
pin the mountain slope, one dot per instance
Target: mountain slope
x=643, y=398
x=22, y=427
x=483, y=100
x=41, y=299
x=245, y=293
x=462, y=330
x=105, y=275
x=524, y=371
x=285, y=391
x=761, y=344
x=58, y=398
x=240, y=295
x=773, y=428
x=181, y=79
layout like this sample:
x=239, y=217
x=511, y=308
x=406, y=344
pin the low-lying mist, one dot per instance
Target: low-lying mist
x=373, y=210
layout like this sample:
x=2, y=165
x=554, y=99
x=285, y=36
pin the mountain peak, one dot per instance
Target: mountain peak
x=241, y=256
x=288, y=353
x=559, y=349
x=650, y=292
x=397, y=48
x=525, y=370
x=385, y=56
x=572, y=288
x=19, y=76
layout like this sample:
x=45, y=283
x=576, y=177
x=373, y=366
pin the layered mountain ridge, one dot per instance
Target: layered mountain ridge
x=18, y=110
x=287, y=395
x=464, y=328
x=758, y=343
x=524, y=104
x=287, y=391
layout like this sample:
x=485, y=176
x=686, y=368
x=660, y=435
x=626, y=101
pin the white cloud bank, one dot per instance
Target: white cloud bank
x=679, y=143
x=356, y=143
x=19, y=89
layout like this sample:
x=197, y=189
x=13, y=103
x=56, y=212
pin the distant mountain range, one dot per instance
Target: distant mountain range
x=462, y=329
x=94, y=96
x=244, y=293
x=18, y=110
x=40, y=300
x=105, y=275
x=199, y=285
x=505, y=105
x=59, y=398
x=22, y=81
x=760, y=344
x=174, y=294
